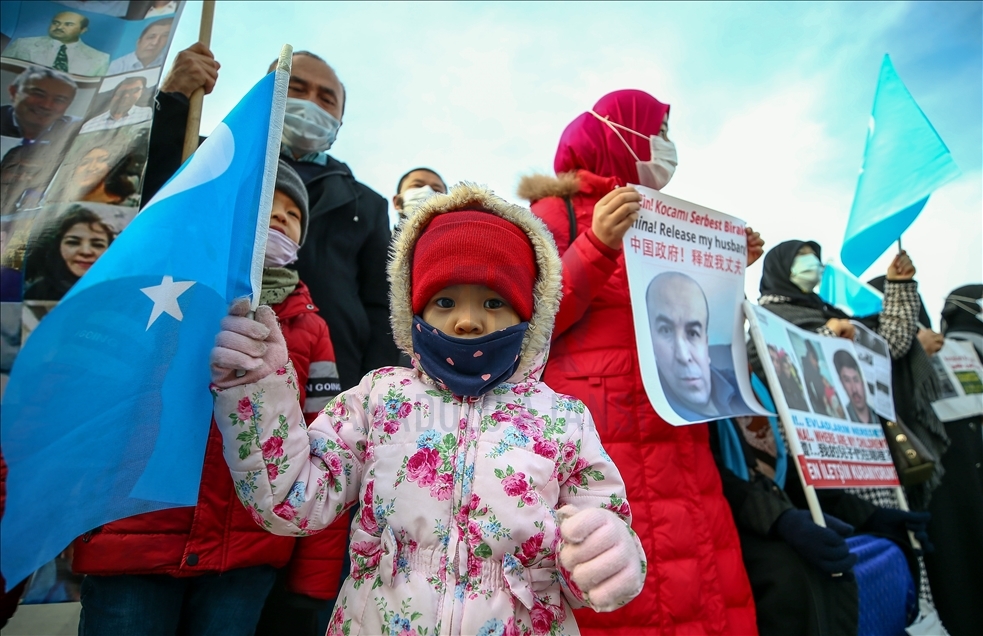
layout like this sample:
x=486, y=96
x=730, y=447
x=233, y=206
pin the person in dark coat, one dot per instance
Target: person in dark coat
x=789, y=559
x=344, y=258
x=957, y=504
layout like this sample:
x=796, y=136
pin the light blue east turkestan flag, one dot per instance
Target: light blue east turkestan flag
x=904, y=162
x=842, y=289
x=108, y=409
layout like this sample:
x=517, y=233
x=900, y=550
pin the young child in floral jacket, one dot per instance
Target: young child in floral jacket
x=488, y=505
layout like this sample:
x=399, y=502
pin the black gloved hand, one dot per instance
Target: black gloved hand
x=890, y=521
x=823, y=548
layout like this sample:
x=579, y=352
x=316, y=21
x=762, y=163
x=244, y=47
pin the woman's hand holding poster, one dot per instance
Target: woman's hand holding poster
x=685, y=268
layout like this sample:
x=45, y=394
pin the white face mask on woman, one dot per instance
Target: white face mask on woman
x=280, y=250
x=658, y=170
x=307, y=127
x=807, y=271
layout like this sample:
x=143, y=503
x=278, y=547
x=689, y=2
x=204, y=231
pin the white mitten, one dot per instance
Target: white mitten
x=254, y=346
x=601, y=555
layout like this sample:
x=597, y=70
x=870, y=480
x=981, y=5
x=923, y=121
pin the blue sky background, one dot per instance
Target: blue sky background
x=770, y=102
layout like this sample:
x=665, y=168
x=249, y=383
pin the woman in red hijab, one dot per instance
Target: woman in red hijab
x=696, y=581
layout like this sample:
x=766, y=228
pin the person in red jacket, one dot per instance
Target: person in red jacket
x=209, y=569
x=696, y=581
x=8, y=600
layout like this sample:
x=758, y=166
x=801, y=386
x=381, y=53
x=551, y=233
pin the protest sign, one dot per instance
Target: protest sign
x=128, y=347
x=960, y=376
x=78, y=85
x=874, y=357
x=811, y=378
x=685, y=267
x=75, y=113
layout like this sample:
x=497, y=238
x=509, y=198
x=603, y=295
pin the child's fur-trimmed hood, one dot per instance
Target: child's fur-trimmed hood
x=468, y=196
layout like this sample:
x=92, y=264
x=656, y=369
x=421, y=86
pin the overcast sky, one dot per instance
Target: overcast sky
x=770, y=102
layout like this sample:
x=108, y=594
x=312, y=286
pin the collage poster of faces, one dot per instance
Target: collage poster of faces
x=79, y=79
x=685, y=268
x=837, y=392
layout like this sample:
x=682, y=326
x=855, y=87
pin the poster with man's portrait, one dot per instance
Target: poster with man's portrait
x=827, y=409
x=686, y=279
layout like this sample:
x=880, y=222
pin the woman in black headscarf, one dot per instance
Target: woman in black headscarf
x=962, y=316
x=957, y=505
x=792, y=271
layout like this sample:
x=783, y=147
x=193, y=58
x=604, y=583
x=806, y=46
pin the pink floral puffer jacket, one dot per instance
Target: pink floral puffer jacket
x=457, y=530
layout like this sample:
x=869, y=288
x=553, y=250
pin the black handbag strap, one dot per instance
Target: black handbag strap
x=573, y=220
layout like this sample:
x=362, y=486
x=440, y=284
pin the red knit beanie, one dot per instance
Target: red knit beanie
x=469, y=247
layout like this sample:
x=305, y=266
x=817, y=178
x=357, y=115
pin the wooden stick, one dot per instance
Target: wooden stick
x=198, y=97
x=903, y=502
x=784, y=417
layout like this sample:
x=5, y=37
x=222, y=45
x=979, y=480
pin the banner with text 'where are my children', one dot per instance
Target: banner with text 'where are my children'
x=830, y=387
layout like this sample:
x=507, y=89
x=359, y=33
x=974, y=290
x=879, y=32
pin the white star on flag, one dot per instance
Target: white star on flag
x=165, y=298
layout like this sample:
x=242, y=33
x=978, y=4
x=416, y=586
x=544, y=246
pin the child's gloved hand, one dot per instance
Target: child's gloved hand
x=255, y=346
x=599, y=552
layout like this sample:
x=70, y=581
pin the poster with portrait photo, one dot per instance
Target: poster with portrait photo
x=122, y=101
x=41, y=111
x=685, y=267
x=838, y=442
x=94, y=37
x=145, y=44
x=66, y=240
x=874, y=357
x=42, y=28
x=961, y=376
x=103, y=167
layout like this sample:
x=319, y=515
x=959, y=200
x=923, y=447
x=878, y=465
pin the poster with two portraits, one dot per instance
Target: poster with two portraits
x=76, y=108
x=685, y=266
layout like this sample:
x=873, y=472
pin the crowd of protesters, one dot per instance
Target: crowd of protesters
x=730, y=549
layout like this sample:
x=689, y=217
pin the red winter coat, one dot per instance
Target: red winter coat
x=696, y=583
x=219, y=534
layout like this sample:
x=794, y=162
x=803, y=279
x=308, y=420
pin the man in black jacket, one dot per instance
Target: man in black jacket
x=343, y=261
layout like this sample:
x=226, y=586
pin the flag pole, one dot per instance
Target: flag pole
x=198, y=97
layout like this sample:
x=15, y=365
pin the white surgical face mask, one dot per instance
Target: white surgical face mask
x=307, y=127
x=280, y=250
x=414, y=198
x=807, y=271
x=658, y=170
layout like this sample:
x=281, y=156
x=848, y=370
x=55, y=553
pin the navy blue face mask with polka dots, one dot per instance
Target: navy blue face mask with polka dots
x=468, y=366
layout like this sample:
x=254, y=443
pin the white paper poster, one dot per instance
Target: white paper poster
x=686, y=278
x=961, y=378
x=874, y=357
